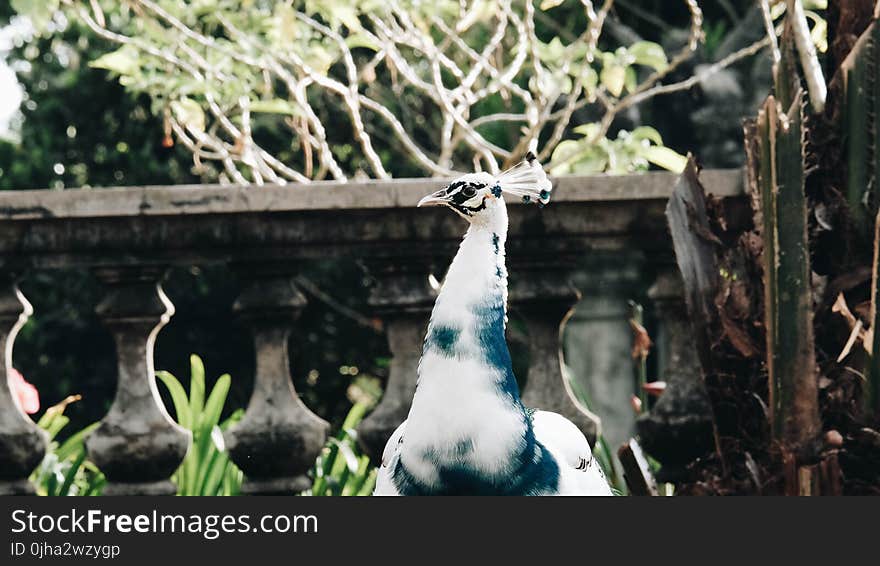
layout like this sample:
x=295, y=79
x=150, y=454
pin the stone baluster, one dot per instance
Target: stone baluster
x=137, y=445
x=278, y=438
x=542, y=294
x=598, y=339
x=22, y=443
x=403, y=298
x=678, y=428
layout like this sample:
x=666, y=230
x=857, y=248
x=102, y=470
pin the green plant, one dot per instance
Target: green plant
x=375, y=88
x=340, y=469
x=206, y=469
x=628, y=152
x=601, y=451
x=65, y=469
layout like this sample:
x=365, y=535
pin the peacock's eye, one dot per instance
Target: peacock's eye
x=469, y=191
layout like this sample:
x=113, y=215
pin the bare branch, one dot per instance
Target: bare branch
x=807, y=52
x=420, y=87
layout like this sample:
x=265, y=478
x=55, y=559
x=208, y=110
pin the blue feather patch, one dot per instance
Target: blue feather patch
x=443, y=338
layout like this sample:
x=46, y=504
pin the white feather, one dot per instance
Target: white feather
x=458, y=398
x=390, y=456
x=526, y=179
x=580, y=473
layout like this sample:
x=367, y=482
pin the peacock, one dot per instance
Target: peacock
x=468, y=432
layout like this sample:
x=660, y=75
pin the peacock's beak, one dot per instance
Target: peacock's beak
x=435, y=199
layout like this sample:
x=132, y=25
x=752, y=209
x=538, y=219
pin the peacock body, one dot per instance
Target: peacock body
x=468, y=432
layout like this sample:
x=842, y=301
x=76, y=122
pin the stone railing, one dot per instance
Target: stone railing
x=128, y=237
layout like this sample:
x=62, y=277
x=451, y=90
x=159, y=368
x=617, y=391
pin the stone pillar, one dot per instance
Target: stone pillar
x=403, y=298
x=137, y=445
x=542, y=294
x=678, y=428
x=278, y=438
x=22, y=443
x=598, y=340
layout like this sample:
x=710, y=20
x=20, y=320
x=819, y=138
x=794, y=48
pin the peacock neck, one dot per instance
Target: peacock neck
x=467, y=430
x=478, y=274
x=470, y=314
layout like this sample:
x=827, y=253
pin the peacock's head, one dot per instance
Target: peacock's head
x=470, y=195
x=477, y=195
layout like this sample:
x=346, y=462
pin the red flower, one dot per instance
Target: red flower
x=654, y=388
x=27, y=395
x=636, y=404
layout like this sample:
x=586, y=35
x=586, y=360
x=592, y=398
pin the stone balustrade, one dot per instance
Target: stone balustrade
x=128, y=237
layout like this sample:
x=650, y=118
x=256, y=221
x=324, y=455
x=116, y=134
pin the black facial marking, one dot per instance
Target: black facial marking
x=461, y=192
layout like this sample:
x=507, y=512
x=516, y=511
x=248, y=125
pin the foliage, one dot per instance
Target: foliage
x=340, y=469
x=206, y=469
x=630, y=151
x=65, y=469
x=78, y=129
x=76, y=122
x=277, y=91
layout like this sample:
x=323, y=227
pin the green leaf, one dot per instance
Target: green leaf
x=549, y=4
x=647, y=133
x=196, y=385
x=70, y=476
x=589, y=80
x=275, y=106
x=369, y=484
x=819, y=33
x=563, y=82
x=356, y=481
x=613, y=77
x=58, y=423
x=361, y=39
x=347, y=15
x=123, y=61
x=649, y=54
x=666, y=158
x=216, y=400
x=630, y=80
x=178, y=397
x=75, y=443
x=593, y=160
x=551, y=52
x=52, y=482
x=232, y=419
x=211, y=474
x=46, y=420
x=565, y=153
x=587, y=130
x=189, y=113
x=319, y=58
x=38, y=11
x=355, y=415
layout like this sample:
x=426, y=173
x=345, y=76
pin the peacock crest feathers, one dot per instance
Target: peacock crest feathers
x=526, y=180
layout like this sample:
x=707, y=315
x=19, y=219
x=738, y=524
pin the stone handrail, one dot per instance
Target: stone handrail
x=128, y=237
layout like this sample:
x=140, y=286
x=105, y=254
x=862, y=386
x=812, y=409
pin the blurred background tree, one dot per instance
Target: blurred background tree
x=292, y=91
x=78, y=126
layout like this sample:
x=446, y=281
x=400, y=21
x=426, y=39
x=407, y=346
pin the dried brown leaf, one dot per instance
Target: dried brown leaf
x=738, y=338
x=641, y=341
